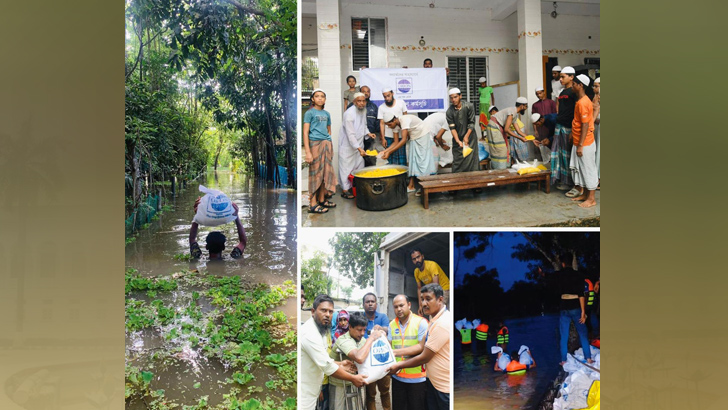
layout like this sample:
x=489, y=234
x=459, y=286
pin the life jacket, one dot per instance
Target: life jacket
x=481, y=332
x=589, y=288
x=409, y=338
x=515, y=367
x=503, y=336
x=465, y=334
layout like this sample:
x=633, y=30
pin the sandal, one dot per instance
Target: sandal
x=317, y=209
x=347, y=195
x=328, y=204
x=573, y=193
x=418, y=192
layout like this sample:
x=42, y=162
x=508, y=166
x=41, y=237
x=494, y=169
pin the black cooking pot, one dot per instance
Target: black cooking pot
x=381, y=193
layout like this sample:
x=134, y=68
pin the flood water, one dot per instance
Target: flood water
x=269, y=217
x=478, y=386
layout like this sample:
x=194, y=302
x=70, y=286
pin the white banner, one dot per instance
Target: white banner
x=422, y=89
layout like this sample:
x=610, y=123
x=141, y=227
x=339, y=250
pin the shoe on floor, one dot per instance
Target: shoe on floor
x=562, y=187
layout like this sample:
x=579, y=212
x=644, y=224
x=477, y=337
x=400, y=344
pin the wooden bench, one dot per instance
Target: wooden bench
x=477, y=179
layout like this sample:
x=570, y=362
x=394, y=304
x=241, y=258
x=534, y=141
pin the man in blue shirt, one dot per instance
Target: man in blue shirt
x=376, y=320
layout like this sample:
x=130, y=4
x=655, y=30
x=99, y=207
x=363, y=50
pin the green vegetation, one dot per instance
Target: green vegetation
x=207, y=84
x=354, y=255
x=243, y=331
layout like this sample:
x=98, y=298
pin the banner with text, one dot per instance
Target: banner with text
x=422, y=89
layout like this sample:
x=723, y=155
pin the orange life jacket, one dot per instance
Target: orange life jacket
x=589, y=289
x=503, y=335
x=481, y=332
x=515, y=366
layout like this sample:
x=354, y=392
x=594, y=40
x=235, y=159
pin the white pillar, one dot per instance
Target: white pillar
x=530, y=54
x=329, y=64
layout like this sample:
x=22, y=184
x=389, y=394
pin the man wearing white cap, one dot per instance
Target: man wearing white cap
x=390, y=136
x=507, y=121
x=418, y=135
x=543, y=141
x=486, y=97
x=561, y=148
x=583, y=153
x=545, y=108
x=351, y=142
x=461, y=120
x=556, y=86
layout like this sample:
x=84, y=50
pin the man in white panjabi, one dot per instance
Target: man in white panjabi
x=351, y=142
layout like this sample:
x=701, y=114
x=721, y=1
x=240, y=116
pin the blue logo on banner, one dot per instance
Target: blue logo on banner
x=219, y=203
x=404, y=86
x=380, y=351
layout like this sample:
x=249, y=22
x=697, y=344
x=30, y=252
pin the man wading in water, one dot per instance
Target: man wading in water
x=215, y=241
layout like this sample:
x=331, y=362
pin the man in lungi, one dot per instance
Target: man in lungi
x=507, y=126
x=351, y=142
x=418, y=135
x=583, y=152
x=500, y=157
x=461, y=120
x=319, y=154
x=391, y=136
x=561, y=148
x=544, y=132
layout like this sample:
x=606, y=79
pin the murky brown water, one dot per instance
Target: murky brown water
x=269, y=217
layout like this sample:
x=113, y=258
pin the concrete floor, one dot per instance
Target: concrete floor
x=508, y=206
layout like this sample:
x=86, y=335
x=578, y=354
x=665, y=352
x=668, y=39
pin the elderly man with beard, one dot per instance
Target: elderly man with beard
x=372, y=125
x=315, y=362
x=461, y=120
x=391, y=136
x=435, y=351
x=351, y=142
x=407, y=334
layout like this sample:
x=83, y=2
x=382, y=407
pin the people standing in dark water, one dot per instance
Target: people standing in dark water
x=215, y=241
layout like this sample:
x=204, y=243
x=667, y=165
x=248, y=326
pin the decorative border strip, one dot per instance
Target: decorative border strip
x=569, y=51
x=529, y=34
x=481, y=50
x=328, y=26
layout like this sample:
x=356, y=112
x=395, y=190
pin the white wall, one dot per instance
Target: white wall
x=462, y=28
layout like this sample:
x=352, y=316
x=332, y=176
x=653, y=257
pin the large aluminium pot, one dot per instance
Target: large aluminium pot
x=381, y=193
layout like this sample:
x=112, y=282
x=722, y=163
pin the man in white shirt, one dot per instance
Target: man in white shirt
x=556, y=86
x=390, y=136
x=418, y=135
x=315, y=361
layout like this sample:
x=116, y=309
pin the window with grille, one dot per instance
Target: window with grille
x=464, y=74
x=368, y=43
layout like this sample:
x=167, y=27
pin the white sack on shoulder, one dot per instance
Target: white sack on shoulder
x=215, y=208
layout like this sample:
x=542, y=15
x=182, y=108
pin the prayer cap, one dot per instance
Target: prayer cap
x=535, y=117
x=318, y=90
x=597, y=80
x=521, y=100
x=492, y=108
x=539, y=89
x=388, y=116
x=386, y=90
x=568, y=70
x=584, y=79
x=357, y=95
x=481, y=80
x=454, y=91
x=556, y=68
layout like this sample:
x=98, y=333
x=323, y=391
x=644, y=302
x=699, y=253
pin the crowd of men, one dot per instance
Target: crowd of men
x=566, y=131
x=332, y=343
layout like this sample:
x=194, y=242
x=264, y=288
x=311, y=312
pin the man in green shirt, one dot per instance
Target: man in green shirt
x=354, y=347
x=487, y=99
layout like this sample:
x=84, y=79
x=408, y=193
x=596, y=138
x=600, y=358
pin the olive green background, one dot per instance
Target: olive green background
x=61, y=204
